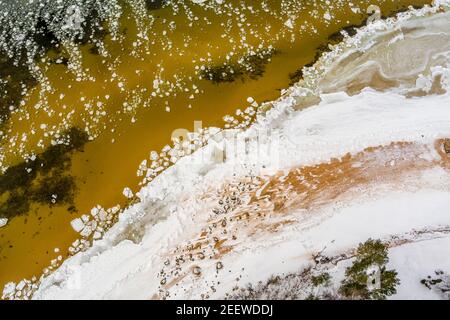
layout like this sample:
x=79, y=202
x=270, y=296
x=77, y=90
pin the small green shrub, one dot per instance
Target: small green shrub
x=373, y=253
x=321, y=279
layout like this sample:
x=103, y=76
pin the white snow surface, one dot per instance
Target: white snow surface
x=177, y=204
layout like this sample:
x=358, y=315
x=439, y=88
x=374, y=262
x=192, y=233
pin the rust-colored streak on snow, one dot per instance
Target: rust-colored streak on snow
x=314, y=186
x=311, y=187
x=219, y=243
x=272, y=200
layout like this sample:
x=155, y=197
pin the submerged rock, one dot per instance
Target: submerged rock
x=447, y=146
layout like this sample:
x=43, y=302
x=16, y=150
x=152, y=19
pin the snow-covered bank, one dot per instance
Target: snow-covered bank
x=119, y=268
x=333, y=175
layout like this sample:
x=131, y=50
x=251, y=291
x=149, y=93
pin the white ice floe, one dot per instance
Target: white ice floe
x=77, y=224
x=176, y=207
x=127, y=192
x=3, y=222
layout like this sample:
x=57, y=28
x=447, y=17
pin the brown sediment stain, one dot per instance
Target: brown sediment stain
x=436, y=88
x=275, y=202
x=442, y=147
x=218, y=244
x=313, y=186
x=275, y=227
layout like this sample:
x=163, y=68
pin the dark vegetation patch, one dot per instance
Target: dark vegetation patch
x=440, y=283
x=369, y=255
x=13, y=79
x=250, y=67
x=62, y=186
x=45, y=39
x=14, y=72
x=322, y=279
x=429, y=282
x=92, y=30
x=43, y=181
x=155, y=4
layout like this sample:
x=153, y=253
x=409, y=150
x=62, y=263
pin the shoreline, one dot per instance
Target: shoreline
x=269, y=113
x=97, y=166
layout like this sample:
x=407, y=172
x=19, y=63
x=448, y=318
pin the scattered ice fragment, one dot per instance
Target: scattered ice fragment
x=94, y=211
x=77, y=224
x=21, y=285
x=128, y=193
x=86, y=232
x=289, y=23
x=327, y=16
x=97, y=235
x=154, y=155
x=198, y=1
x=9, y=289
x=3, y=222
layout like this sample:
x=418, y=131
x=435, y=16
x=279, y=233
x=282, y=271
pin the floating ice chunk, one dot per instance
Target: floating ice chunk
x=86, y=232
x=77, y=224
x=21, y=285
x=154, y=156
x=289, y=23
x=327, y=16
x=102, y=216
x=3, y=222
x=142, y=168
x=95, y=211
x=9, y=289
x=128, y=193
x=198, y=1
x=97, y=235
